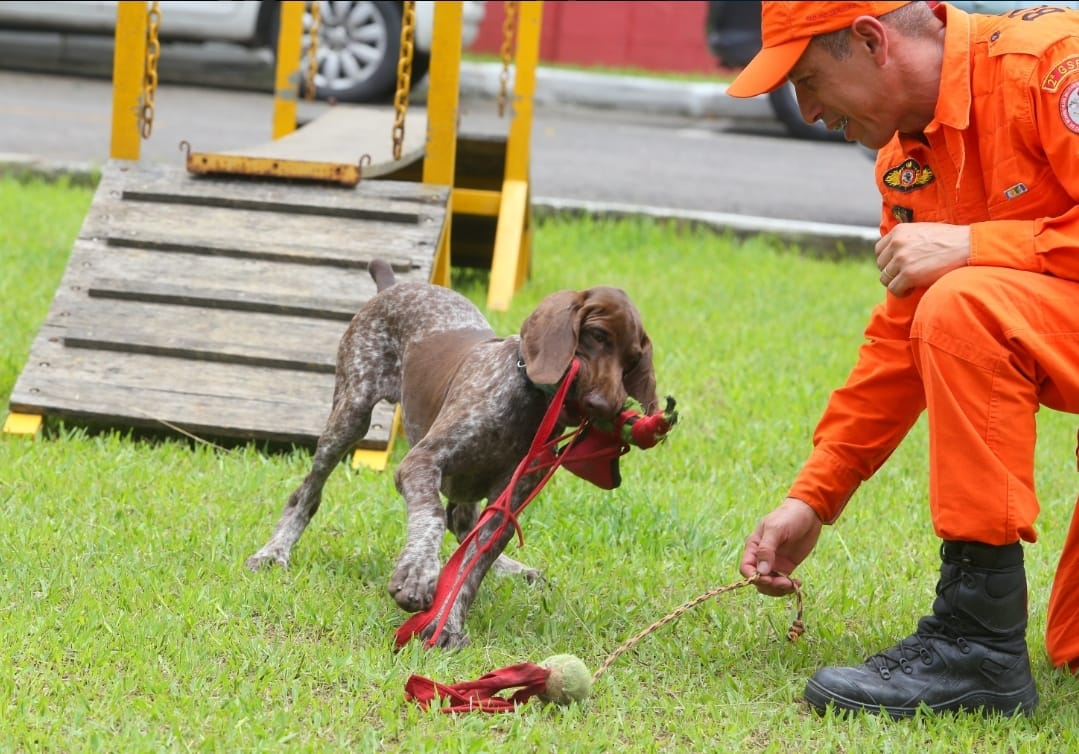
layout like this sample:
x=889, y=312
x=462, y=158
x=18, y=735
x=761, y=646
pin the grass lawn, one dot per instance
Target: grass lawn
x=130, y=625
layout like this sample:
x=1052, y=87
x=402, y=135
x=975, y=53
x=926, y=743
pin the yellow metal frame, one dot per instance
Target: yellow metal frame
x=511, y=256
x=286, y=91
x=440, y=153
x=23, y=424
x=128, y=77
x=378, y=460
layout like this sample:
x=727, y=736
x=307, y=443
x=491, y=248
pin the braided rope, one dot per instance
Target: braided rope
x=793, y=633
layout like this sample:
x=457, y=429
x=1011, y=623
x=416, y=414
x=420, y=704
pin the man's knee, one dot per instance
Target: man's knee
x=965, y=301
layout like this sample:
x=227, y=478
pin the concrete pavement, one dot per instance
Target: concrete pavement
x=578, y=88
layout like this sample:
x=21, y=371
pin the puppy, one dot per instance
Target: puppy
x=471, y=404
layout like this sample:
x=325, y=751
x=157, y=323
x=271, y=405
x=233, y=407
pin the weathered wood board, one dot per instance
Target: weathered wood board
x=214, y=306
x=346, y=133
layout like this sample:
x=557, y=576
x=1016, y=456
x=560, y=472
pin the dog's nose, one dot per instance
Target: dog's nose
x=598, y=406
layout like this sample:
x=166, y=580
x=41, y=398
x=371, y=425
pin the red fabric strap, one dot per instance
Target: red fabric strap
x=455, y=571
x=481, y=694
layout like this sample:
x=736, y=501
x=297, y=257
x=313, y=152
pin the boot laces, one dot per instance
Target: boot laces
x=914, y=649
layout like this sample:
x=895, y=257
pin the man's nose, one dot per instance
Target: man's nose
x=809, y=108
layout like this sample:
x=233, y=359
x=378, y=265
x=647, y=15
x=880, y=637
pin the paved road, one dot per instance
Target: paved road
x=696, y=157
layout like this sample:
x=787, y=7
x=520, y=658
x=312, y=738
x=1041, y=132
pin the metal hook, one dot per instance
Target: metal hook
x=365, y=159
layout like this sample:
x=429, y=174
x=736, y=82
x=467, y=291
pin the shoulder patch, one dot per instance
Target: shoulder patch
x=1062, y=70
x=1069, y=107
x=908, y=176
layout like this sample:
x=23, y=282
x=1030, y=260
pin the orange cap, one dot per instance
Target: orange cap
x=786, y=28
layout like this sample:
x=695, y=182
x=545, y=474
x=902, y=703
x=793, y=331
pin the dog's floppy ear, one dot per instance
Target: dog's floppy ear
x=640, y=382
x=549, y=337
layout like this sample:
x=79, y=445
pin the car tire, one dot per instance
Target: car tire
x=358, y=48
x=785, y=105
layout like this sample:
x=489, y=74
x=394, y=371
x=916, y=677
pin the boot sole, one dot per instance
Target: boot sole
x=1022, y=702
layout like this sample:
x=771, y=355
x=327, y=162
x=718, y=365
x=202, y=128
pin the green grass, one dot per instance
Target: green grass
x=130, y=625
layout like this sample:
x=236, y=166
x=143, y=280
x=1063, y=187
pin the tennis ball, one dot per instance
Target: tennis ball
x=569, y=681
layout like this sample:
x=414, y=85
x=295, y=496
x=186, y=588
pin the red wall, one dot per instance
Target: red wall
x=653, y=36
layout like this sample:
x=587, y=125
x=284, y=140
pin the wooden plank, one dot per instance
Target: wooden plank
x=93, y=263
x=140, y=372
x=170, y=183
x=222, y=298
x=204, y=398
x=255, y=337
x=197, y=192
x=261, y=235
x=192, y=349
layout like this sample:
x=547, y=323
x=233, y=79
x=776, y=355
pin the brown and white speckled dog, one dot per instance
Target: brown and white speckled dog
x=471, y=404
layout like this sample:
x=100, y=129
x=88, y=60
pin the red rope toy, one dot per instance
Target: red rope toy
x=589, y=452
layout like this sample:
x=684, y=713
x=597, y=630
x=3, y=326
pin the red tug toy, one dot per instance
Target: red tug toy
x=590, y=452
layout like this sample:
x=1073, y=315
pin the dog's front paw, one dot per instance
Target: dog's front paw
x=264, y=558
x=450, y=638
x=413, y=583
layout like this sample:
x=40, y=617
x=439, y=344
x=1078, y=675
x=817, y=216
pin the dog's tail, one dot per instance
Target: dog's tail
x=382, y=273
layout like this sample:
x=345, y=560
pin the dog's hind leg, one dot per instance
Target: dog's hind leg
x=348, y=423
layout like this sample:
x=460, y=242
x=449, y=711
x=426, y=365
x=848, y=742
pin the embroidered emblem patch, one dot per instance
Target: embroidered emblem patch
x=1062, y=70
x=908, y=176
x=1017, y=190
x=903, y=214
x=1069, y=107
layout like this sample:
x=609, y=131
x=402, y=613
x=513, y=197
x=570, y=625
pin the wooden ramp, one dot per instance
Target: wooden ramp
x=214, y=306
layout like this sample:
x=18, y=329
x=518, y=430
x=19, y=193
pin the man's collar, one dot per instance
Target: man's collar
x=953, y=110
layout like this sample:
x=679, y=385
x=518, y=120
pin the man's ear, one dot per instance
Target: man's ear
x=869, y=31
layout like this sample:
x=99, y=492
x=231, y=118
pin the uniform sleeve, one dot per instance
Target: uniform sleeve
x=867, y=418
x=1048, y=245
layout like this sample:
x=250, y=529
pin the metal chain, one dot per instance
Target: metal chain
x=313, y=33
x=509, y=24
x=153, y=55
x=404, y=76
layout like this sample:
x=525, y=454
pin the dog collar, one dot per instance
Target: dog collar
x=548, y=390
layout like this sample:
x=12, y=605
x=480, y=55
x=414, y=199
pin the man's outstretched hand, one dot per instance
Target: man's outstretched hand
x=781, y=541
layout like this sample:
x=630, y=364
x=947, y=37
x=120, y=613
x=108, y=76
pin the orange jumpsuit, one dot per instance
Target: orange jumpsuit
x=986, y=345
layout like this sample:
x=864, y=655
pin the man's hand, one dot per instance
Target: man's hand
x=916, y=255
x=780, y=542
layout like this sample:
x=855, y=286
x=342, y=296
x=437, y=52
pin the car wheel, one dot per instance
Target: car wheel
x=358, y=48
x=785, y=104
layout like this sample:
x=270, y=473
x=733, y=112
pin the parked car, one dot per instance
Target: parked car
x=733, y=34
x=358, y=42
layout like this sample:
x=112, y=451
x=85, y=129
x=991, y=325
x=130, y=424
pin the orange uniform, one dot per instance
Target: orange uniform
x=986, y=344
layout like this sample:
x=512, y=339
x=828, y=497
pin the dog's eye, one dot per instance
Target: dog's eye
x=600, y=336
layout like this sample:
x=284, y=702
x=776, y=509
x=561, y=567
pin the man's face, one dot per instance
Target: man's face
x=847, y=94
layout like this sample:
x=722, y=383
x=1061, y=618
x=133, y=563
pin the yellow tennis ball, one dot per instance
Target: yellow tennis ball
x=569, y=681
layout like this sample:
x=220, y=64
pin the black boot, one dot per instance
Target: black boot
x=970, y=654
